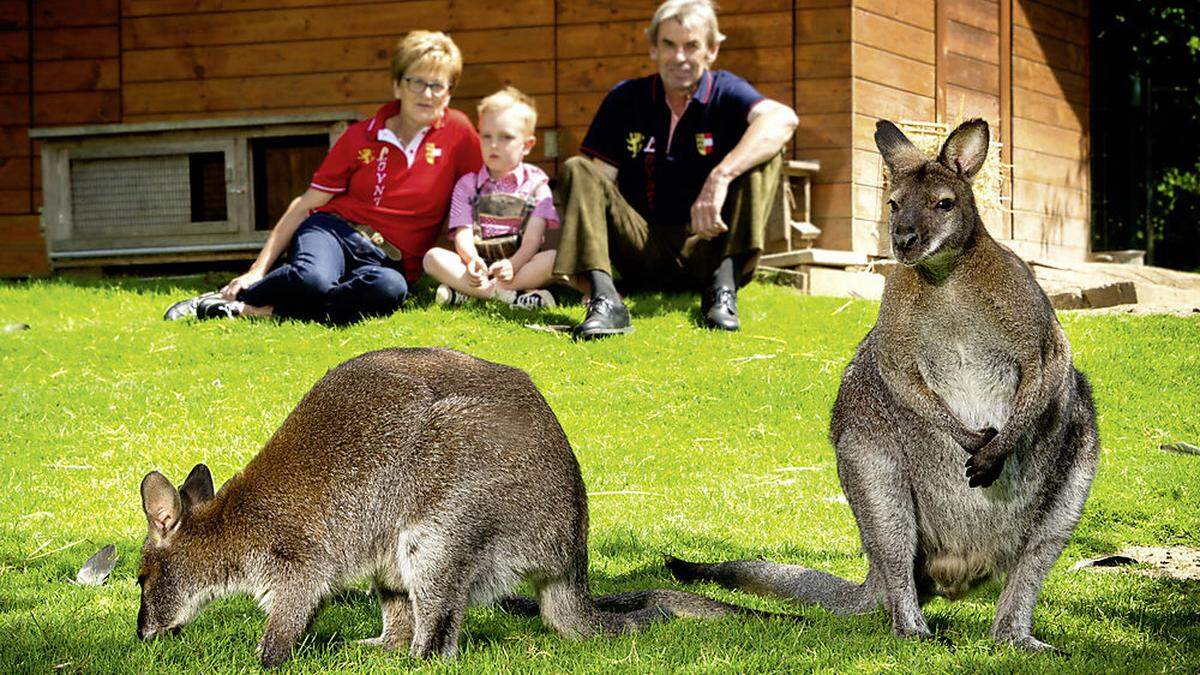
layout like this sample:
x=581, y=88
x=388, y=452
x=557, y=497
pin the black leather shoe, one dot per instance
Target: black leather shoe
x=186, y=309
x=218, y=308
x=720, y=309
x=605, y=316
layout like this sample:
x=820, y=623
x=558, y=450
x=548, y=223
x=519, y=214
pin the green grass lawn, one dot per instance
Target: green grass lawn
x=702, y=444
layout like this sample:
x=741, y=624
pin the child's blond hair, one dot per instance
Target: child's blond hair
x=511, y=97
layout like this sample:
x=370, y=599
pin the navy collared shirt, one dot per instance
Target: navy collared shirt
x=631, y=129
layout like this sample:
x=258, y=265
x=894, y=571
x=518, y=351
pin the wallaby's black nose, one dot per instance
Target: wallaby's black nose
x=904, y=240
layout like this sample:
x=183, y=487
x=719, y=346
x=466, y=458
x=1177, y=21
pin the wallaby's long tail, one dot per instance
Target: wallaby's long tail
x=668, y=603
x=569, y=609
x=787, y=581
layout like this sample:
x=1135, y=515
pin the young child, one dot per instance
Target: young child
x=499, y=215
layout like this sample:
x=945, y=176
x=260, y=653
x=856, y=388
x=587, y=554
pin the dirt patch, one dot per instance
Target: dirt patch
x=1175, y=562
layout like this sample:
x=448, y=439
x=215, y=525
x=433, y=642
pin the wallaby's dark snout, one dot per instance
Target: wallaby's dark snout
x=904, y=241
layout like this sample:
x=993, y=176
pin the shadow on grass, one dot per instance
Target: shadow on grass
x=229, y=629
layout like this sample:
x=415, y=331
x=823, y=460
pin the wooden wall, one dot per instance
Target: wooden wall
x=841, y=63
x=972, y=54
x=60, y=61
x=894, y=65
x=1051, y=146
x=1020, y=64
x=823, y=102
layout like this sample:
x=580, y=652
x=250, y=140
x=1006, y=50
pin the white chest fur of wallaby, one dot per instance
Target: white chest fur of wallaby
x=444, y=479
x=966, y=364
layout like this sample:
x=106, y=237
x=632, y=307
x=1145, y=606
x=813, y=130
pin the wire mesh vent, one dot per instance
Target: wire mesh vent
x=132, y=195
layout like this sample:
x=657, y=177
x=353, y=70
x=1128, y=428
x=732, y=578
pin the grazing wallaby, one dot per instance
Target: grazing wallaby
x=966, y=361
x=445, y=479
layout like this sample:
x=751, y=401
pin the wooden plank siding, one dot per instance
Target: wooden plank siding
x=22, y=249
x=969, y=57
x=1051, y=196
x=895, y=77
x=951, y=60
x=822, y=71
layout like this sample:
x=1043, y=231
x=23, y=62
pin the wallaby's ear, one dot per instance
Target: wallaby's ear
x=198, y=488
x=899, y=152
x=966, y=148
x=161, y=503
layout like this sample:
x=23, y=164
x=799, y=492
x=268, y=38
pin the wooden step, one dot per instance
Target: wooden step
x=816, y=256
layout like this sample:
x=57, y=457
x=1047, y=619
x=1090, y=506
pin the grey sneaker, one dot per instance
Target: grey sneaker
x=186, y=309
x=535, y=299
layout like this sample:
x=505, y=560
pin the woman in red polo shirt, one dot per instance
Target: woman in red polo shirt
x=375, y=206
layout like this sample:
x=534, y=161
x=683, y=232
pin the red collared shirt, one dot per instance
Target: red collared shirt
x=374, y=184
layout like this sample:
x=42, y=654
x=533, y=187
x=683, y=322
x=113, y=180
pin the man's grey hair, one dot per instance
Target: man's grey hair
x=686, y=12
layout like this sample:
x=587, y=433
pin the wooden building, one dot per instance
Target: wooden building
x=842, y=64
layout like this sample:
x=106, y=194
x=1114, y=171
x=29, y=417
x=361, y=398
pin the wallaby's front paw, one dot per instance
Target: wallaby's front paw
x=983, y=468
x=974, y=441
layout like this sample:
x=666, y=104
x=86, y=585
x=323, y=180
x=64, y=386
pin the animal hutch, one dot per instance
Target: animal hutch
x=175, y=190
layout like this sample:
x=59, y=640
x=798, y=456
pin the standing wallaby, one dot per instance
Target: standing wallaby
x=445, y=479
x=966, y=361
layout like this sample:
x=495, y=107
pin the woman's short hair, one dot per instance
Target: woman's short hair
x=422, y=48
x=686, y=12
x=511, y=97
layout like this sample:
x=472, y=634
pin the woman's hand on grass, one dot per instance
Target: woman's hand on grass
x=230, y=290
x=502, y=270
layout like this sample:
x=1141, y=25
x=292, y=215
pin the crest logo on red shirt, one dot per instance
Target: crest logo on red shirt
x=432, y=152
x=366, y=156
x=704, y=144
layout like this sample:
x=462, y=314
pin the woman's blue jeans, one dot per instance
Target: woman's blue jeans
x=333, y=274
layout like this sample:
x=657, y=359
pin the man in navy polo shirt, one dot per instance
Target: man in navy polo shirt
x=678, y=178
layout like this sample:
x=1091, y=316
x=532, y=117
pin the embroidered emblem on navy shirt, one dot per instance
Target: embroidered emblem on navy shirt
x=633, y=143
x=704, y=144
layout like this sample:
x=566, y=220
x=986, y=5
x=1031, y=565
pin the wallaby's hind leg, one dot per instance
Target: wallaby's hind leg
x=566, y=606
x=1014, y=610
x=787, y=581
x=881, y=500
x=438, y=619
x=439, y=604
x=396, y=608
x=869, y=443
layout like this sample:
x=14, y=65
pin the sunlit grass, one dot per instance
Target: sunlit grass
x=694, y=442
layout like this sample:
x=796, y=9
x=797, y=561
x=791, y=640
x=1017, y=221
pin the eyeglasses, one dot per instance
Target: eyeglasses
x=418, y=86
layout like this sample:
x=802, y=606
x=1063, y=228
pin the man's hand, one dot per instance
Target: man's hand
x=477, y=271
x=230, y=290
x=502, y=270
x=706, y=210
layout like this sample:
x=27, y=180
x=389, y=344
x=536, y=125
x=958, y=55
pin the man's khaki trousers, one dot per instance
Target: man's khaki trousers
x=601, y=231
